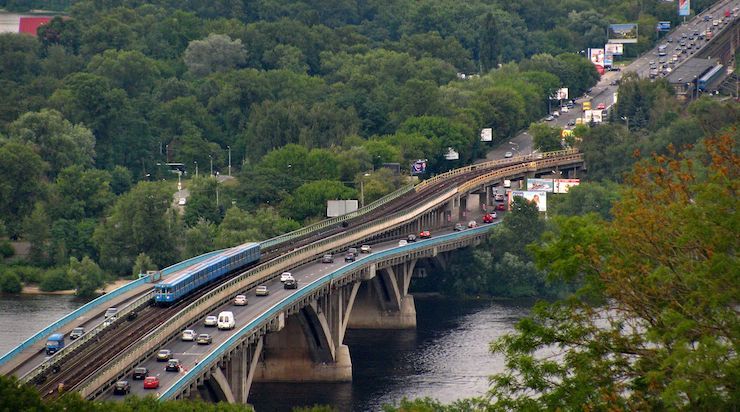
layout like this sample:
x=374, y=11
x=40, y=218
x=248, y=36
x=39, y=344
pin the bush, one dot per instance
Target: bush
x=6, y=249
x=27, y=274
x=56, y=279
x=9, y=282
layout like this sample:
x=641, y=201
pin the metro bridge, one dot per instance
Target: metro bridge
x=290, y=335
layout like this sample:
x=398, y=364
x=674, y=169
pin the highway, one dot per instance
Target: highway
x=603, y=91
x=190, y=353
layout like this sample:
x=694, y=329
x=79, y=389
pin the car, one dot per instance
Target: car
x=182, y=201
x=488, y=218
x=121, y=388
x=601, y=106
x=556, y=114
x=188, y=335
x=365, y=249
x=472, y=224
x=240, y=300
x=564, y=109
x=425, y=234
x=669, y=39
x=402, y=242
x=262, y=290
x=349, y=257
x=204, y=339
x=140, y=373
x=549, y=118
x=494, y=214
x=173, y=365
x=459, y=227
x=164, y=355
x=508, y=155
x=76, y=333
x=111, y=313
x=411, y=238
x=327, y=258
x=285, y=276
x=290, y=284
x=210, y=321
x=499, y=197
x=501, y=206
x=572, y=122
x=151, y=382
x=571, y=104
x=353, y=250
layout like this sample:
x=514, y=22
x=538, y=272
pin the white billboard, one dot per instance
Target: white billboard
x=592, y=116
x=560, y=94
x=562, y=185
x=615, y=49
x=545, y=185
x=336, y=208
x=539, y=198
x=486, y=135
x=596, y=56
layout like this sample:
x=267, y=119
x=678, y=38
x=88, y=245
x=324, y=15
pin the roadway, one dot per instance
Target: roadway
x=604, y=90
x=190, y=353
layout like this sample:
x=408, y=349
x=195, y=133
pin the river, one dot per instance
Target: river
x=446, y=357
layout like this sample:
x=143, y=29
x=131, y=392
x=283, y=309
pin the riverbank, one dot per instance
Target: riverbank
x=35, y=290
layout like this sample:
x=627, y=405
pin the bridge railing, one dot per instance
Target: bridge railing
x=224, y=292
x=215, y=355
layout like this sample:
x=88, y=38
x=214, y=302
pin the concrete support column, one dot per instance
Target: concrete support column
x=238, y=368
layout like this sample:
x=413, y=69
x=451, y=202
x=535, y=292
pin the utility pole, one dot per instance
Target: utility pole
x=211, y=157
x=229, y=147
x=196, y=167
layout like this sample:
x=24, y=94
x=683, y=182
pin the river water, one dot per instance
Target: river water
x=446, y=357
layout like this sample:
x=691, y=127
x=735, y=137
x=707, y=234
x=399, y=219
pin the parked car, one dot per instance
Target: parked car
x=210, y=321
x=76, y=333
x=365, y=249
x=328, y=258
x=173, y=365
x=204, y=339
x=151, y=382
x=459, y=227
x=121, y=388
x=564, y=109
x=290, y=284
x=472, y=224
x=349, y=257
x=508, y=155
x=240, y=300
x=285, y=276
x=182, y=201
x=572, y=122
x=188, y=335
x=411, y=238
x=262, y=290
x=425, y=234
x=549, y=118
x=140, y=373
x=164, y=355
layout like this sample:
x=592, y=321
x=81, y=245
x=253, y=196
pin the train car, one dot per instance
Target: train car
x=187, y=280
x=710, y=78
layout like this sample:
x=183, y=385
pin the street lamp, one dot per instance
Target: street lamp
x=196, y=167
x=362, y=189
x=211, y=157
x=229, y=147
x=626, y=119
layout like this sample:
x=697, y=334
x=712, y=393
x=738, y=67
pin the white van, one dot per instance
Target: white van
x=226, y=320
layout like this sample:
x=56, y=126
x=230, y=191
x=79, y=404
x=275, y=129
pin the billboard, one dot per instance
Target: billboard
x=562, y=185
x=615, y=49
x=336, y=208
x=608, y=59
x=545, y=185
x=622, y=33
x=486, y=135
x=452, y=154
x=592, y=116
x=596, y=56
x=663, y=26
x=684, y=7
x=539, y=198
x=419, y=167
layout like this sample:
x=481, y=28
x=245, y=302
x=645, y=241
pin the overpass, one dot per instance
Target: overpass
x=369, y=294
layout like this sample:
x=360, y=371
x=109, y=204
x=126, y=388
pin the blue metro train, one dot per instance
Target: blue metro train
x=190, y=278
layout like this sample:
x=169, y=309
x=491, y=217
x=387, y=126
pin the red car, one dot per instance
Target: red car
x=601, y=106
x=501, y=206
x=151, y=382
x=488, y=218
x=425, y=234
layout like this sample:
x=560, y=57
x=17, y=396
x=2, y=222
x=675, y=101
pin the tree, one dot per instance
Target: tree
x=655, y=324
x=9, y=282
x=21, y=183
x=588, y=197
x=36, y=228
x=215, y=53
x=200, y=237
x=202, y=201
x=235, y=230
x=544, y=137
x=309, y=200
x=128, y=70
x=142, y=264
x=86, y=276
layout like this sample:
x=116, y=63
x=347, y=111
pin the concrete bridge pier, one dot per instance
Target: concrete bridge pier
x=383, y=301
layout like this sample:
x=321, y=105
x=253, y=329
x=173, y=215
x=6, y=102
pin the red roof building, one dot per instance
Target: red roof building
x=30, y=25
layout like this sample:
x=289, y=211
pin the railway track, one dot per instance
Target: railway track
x=73, y=370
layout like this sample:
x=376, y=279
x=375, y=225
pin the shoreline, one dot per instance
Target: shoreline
x=34, y=289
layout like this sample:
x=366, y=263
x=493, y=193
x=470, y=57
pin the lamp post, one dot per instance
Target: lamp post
x=362, y=189
x=229, y=147
x=196, y=167
x=626, y=119
x=211, y=158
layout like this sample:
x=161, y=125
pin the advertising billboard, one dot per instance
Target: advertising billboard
x=615, y=49
x=596, y=56
x=684, y=7
x=545, y=185
x=592, y=116
x=562, y=185
x=663, y=26
x=560, y=94
x=419, y=167
x=608, y=60
x=539, y=198
x=622, y=33
x=486, y=135
x=336, y=208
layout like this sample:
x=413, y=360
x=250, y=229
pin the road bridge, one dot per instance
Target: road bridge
x=325, y=312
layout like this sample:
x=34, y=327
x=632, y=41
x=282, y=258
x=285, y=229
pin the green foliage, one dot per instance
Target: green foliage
x=142, y=264
x=9, y=281
x=6, y=248
x=544, y=137
x=36, y=227
x=200, y=237
x=55, y=279
x=86, y=276
x=309, y=200
x=217, y=52
x=26, y=274
x=588, y=197
x=202, y=201
x=21, y=184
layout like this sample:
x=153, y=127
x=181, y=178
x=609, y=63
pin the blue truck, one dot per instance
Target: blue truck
x=55, y=343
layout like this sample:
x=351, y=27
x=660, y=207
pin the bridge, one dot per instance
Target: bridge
x=290, y=335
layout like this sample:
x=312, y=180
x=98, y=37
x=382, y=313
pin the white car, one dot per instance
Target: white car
x=472, y=224
x=402, y=242
x=262, y=290
x=189, y=335
x=285, y=276
x=564, y=109
x=240, y=300
x=365, y=249
x=182, y=201
x=210, y=321
x=508, y=155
